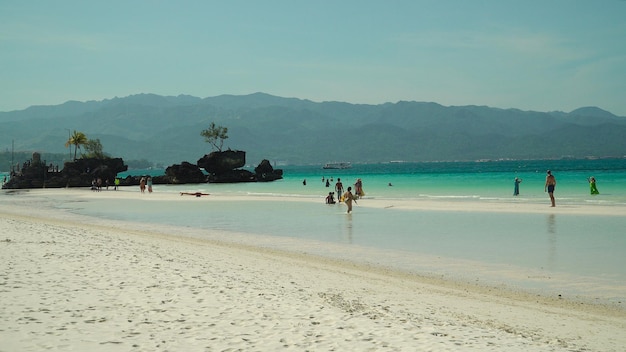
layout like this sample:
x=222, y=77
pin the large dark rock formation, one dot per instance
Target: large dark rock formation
x=224, y=167
x=221, y=167
x=82, y=172
x=35, y=173
x=222, y=162
x=232, y=176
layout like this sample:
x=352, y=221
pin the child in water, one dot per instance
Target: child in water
x=330, y=199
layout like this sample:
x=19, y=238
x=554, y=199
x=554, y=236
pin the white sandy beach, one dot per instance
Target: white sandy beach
x=73, y=283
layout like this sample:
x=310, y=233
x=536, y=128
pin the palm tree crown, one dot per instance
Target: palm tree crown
x=76, y=139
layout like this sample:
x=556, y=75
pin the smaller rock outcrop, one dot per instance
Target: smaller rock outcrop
x=184, y=173
x=265, y=172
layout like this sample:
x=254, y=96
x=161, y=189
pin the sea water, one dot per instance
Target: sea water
x=572, y=255
x=492, y=180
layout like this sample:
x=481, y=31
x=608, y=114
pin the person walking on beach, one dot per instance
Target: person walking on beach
x=149, y=182
x=549, y=186
x=516, y=189
x=348, y=198
x=339, y=188
x=592, y=185
x=142, y=184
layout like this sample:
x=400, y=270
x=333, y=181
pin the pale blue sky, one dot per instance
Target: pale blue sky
x=532, y=55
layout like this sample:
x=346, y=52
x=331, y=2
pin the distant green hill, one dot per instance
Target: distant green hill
x=167, y=130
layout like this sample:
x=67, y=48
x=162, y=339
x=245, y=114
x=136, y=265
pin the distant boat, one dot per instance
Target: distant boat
x=341, y=165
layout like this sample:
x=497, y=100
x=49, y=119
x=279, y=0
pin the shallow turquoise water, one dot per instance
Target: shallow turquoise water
x=582, y=255
x=471, y=180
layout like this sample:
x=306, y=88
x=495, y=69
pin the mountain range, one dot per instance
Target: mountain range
x=166, y=130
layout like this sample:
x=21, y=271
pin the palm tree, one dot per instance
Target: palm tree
x=76, y=139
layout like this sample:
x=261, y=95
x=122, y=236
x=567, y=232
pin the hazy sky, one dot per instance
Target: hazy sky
x=541, y=55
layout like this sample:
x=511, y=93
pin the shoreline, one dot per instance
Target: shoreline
x=83, y=283
x=520, y=205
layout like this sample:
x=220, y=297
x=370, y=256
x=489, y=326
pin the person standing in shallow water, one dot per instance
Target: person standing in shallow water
x=592, y=185
x=348, y=198
x=339, y=189
x=549, y=186
x=516, y=189
x=358, y=188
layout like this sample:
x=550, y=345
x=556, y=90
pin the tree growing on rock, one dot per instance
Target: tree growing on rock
x=76, y=139
x=94, y=149
x=215, y=135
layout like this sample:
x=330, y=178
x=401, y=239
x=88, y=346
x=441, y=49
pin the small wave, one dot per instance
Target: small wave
x=473, y=196
x=283, y=195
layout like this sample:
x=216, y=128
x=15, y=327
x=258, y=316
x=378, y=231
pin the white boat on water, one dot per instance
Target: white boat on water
x=340, y=165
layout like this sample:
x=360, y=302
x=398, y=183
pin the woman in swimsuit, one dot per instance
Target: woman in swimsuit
x=348, y=198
